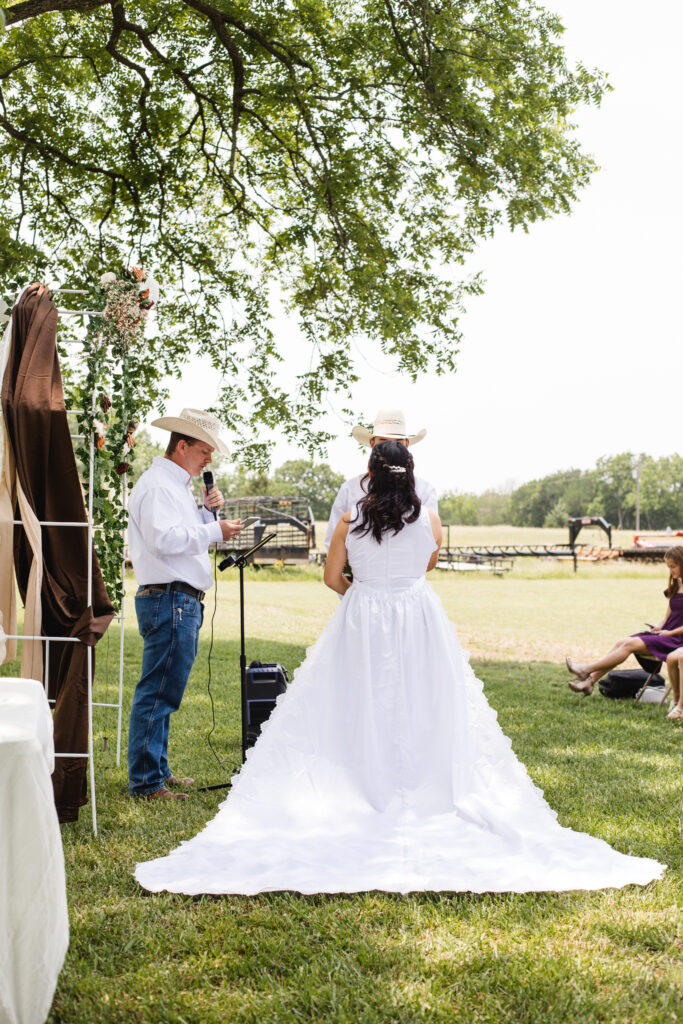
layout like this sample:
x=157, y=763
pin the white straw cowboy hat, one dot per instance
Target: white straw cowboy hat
x=389, y=423
x=198, y=424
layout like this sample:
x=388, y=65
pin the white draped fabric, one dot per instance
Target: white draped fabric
x=383, y=767
x=34, y=924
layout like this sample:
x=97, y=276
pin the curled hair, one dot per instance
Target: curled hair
x=675, y=555
x=391, y=500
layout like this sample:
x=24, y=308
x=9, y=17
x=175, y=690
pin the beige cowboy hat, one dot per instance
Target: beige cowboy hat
x=195, y=423
x=389, y=423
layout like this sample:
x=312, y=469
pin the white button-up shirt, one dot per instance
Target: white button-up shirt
x=168, y=536
x=351, y=492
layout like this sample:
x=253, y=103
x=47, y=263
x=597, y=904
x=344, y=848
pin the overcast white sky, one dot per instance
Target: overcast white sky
x=573, y=350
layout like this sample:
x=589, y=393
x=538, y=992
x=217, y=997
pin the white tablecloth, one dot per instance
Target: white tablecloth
x=34, y=925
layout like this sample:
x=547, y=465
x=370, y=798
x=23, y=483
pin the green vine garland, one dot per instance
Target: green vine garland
x=117, y=386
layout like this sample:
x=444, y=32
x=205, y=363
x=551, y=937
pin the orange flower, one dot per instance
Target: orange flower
x=131, y=441
x=145, y=294
x=100, y=441
x=139, y=274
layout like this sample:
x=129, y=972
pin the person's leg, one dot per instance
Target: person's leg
x=189, y=615
x=590, y=674
x=583, y=671
x=673, y=668
x=154, y=626
x=163, y=760
x=673, y=672
x=169, y=624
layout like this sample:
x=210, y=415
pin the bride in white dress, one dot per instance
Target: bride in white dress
x=383, y=766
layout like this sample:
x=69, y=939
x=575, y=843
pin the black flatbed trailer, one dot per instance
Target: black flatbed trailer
x=290, y=519
x=644, y=554
x=509, y=550
x=489, y=551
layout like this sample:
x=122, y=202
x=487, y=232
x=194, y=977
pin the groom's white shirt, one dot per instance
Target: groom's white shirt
x=351, y=492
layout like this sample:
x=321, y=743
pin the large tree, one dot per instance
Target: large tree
x=616, y=489
x=315, y=481
x=343, y=155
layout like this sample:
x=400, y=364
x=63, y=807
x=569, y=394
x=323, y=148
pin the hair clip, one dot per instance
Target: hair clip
x=397, y=469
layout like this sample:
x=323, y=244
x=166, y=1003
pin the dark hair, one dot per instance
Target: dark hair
x=175, y=437
x=675, y=555
x=391, y=500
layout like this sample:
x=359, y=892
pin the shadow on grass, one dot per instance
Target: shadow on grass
x=607, y=767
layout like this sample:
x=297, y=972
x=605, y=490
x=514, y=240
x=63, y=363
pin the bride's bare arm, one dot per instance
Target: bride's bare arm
x=336, y=558
x=438, y=536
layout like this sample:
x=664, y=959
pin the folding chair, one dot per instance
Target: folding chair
x=652, y=666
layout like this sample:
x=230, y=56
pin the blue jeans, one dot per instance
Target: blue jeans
x=169, y=623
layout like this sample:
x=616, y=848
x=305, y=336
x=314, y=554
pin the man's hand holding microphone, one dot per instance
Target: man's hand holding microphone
x=213, y=500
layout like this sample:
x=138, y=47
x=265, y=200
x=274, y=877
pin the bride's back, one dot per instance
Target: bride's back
x=400, y=559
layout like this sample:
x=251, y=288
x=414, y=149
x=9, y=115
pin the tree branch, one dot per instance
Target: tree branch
x=46, y=148
x=230, y=45
x=278, y=50
x=119, y=23
x=34, y=8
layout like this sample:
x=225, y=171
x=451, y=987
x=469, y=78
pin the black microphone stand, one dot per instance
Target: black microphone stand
x=240, y=560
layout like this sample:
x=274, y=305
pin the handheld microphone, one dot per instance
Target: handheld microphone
x=209, y=484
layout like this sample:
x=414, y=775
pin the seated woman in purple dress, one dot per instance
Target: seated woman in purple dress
x=657, y=643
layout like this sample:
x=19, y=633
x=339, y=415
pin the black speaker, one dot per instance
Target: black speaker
x=265, y=683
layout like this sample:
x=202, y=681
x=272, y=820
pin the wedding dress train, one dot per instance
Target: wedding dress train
x=383, y=767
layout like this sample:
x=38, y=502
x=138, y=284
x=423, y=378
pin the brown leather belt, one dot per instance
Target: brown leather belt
x=184, y=588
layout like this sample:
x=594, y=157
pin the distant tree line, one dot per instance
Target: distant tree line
x=609, y=490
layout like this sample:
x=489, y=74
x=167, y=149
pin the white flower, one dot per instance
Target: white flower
x=153, y=287
x=100, y=427
x=107, y=278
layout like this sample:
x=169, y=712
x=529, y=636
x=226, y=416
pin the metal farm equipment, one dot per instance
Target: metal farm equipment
x=291, y=519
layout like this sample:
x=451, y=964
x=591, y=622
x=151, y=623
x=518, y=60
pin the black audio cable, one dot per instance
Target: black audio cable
x=221, y=761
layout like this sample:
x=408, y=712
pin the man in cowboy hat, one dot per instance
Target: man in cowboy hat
x=168, y=539
x=390, y=425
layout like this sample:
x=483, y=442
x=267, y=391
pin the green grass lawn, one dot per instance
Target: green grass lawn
x=609, y=768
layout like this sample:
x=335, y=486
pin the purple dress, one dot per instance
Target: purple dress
x=660, y=646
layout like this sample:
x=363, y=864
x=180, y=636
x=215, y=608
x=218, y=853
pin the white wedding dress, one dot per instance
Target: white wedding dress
x=383, y=767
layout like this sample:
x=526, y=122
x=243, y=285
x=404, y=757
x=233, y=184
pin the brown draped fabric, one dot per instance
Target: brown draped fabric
x=37, y=428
